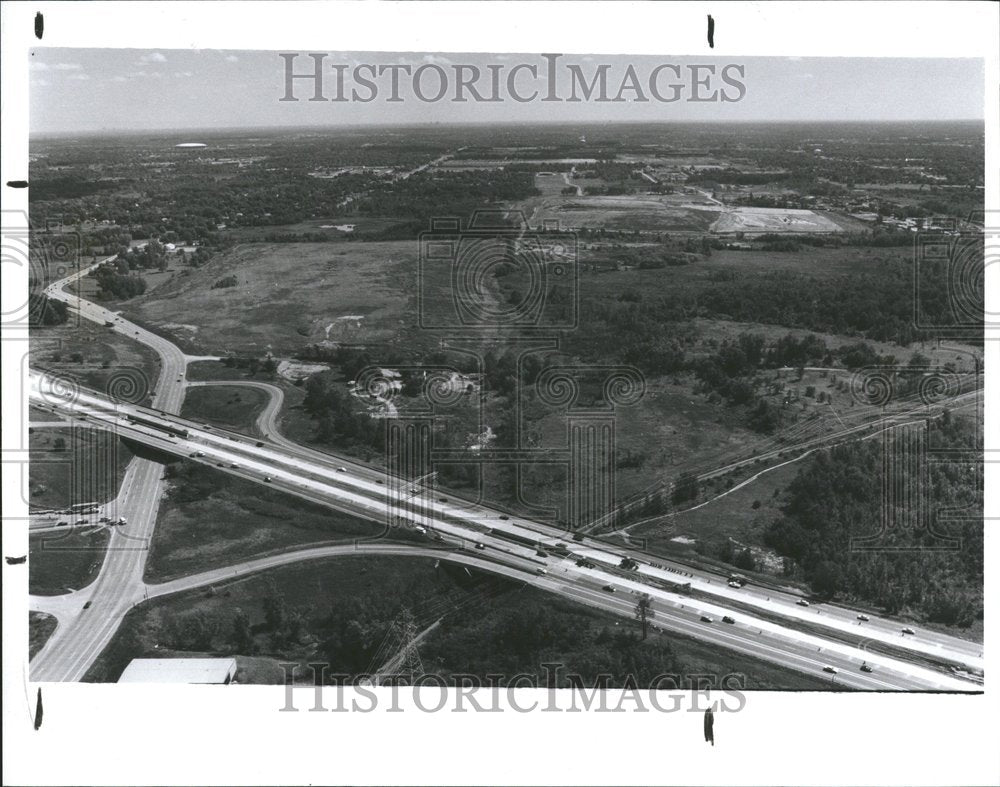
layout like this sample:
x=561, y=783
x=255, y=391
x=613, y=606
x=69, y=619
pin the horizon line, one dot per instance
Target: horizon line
x=457, y=124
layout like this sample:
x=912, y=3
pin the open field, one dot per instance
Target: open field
x=297, y=294
x=644, y=212
x=213, y=518
x=97, y=357
x=229, y=406
x=61, y=562
x=74, y=465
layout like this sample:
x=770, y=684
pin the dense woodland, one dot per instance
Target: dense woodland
x=838, y=495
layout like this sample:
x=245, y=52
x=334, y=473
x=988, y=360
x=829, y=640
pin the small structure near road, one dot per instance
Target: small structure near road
x=194, y=671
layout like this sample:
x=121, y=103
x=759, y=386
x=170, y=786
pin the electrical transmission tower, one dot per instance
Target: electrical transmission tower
x=405, y=662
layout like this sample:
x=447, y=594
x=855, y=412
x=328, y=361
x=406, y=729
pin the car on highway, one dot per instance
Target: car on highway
x=259, y=444
x=504, y=517
x=541, y=571
x=87, y=605
x=728, y=619
x=802, y=602
x=233, y=464
x=480, y=546
x=831, y=670
x=609, y=588
x=342, y=469
x=541, y=553
x=864, y=618
x=734, y=584
x=706, y=619
x=908, y=630
x=442, y=499
x=866, y=667
x=267, y=479
x=198, y=453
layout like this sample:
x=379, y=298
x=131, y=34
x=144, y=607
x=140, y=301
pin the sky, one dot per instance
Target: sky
x=108, y=90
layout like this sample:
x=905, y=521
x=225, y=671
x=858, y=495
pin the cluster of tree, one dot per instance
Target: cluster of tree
x=837, y=496
x=340, y=418
x=225, y=281
x=117, y=283
x=45, y=311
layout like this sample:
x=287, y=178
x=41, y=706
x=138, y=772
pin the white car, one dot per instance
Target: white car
x=734, y=584
x=802, y=602
x=342, y=469
x=863, y=618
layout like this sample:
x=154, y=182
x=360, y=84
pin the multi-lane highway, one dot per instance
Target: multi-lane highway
x=767, y=623
x=550, y=558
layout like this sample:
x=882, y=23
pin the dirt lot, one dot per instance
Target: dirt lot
x=648, y=212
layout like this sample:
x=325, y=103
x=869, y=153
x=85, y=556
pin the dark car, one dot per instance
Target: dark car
x=609, y=588
x=706, y=619
x=504, y=516
x=728, y=619
x=866, y=668
x=259, y=444
x=480, y=546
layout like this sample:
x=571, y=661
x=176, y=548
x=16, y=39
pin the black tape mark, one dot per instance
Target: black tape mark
x=17, y=184
x=39, y=25
x=16, y=561
x=711, y=32
x=38, y=710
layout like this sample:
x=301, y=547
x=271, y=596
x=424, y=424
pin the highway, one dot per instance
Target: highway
x=469, y=533
x=79, y=639
x=367, y=492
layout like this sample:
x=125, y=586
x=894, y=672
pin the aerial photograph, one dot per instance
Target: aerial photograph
x=536, y=369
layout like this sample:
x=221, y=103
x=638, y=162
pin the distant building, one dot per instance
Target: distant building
x=193, y=671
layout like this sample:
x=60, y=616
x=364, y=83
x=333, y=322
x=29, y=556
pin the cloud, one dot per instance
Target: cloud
x=119, y=78
x=39, y=82
x=439, y=59
x=232, y=59
x=80, y=77
x=38, y=65
x=183, y=74
x=153, y=57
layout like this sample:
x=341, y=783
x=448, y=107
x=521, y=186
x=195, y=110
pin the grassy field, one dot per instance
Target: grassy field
x=74, y=465
x=97, y=357
x=297, y=293
x=59, y=563
x=346, y=606
x=741, y=515
x=214, y=519
x=230, y=406
x=40, y=628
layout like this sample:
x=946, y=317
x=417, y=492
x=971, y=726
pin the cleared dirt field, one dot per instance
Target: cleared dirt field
x=770, y=220
x=288, y=295
x=648, y=212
